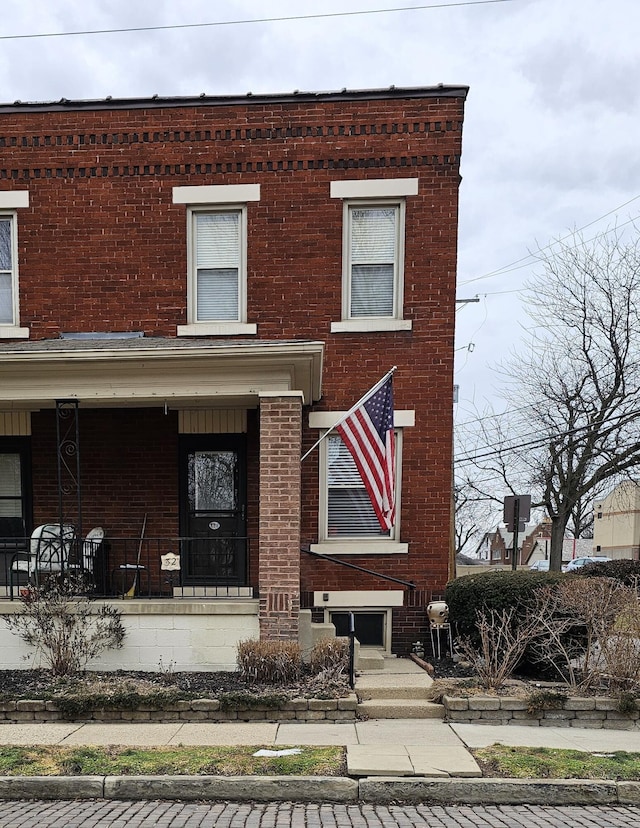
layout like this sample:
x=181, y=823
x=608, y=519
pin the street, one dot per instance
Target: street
x=105, y=813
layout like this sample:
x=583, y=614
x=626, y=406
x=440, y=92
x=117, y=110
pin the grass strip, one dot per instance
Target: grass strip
x=551, y=763
x=55, y=760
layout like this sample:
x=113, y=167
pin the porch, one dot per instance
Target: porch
x=186, y=454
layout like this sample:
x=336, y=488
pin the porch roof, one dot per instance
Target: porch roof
x=151, y=371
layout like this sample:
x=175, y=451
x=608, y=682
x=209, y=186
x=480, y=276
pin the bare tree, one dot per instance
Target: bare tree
x=576, y=382
x=475, y=513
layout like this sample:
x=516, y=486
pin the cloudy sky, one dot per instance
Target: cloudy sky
x=551, y=127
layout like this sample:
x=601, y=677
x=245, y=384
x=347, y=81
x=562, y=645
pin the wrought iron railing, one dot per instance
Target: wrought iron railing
x=130, y=567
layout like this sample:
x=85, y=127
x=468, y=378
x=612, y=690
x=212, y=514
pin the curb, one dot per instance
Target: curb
x=330, y=789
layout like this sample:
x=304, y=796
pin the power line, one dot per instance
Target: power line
x=517, y=264
x=540, y=441
x=287, y=19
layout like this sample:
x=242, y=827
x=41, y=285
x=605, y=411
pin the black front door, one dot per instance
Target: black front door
x=213, y=509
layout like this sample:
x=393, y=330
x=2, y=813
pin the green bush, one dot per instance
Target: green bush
x=486, y=591
x=627, y=572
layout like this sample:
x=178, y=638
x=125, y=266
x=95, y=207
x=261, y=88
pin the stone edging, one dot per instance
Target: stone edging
x=332, y=789
x=196, y=710
x=588, y=711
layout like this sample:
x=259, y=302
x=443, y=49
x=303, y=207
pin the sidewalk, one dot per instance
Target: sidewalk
x=381, y=747
x=393, y=760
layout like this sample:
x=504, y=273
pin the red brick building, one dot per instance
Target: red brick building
x=191, y=291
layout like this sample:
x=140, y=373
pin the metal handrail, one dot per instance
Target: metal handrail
x=409, y=584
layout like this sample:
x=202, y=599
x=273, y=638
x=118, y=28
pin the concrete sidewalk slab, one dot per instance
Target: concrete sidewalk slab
x=443, y=760
x=141, y=734
x=406, y=732
x=569, y=738
x=307, y=733
x=50, y=733
x=226, y=733
x=366, y=760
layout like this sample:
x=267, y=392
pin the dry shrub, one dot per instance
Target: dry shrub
x=330, y=654
x=63, y=626
x=588, y=631
x=504, y=636
x=269, y=661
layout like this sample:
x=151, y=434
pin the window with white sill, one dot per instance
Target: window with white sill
x=217, y=222
x=374, y=216
x=8, y=286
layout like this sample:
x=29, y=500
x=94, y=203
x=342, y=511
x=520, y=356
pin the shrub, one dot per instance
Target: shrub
x=269, y=661
x=503, y=640
x=498, y=591
x=539, y=700
x=63, y=626
x=606, y=617
x=330, y=654
x=627, y=572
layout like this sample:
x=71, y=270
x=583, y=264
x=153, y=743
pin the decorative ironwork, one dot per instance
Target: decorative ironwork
x=68, y=441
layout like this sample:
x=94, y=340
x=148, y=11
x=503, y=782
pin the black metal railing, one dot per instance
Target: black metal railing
x=128, y=567
x=358, y=568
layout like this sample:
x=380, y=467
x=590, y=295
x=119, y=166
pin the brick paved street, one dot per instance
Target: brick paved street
x=109, y=814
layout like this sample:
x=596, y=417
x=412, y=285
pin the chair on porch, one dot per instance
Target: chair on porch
x=92, y=562
x=49, y=550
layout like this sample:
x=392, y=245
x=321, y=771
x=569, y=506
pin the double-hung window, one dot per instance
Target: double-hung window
x=7, y=271
x=373, y=265
x=347, y=522
x=217, y=222
x=374, y=213
x=10, y=200
x=218, y=268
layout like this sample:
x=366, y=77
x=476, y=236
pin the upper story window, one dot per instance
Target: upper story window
x=217, y=258
x=218, y=265
x=7, y=278
x=373, y=260
x=10, y=328
x=373, y=253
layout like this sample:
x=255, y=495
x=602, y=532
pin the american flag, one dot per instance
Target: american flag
x=368, y=434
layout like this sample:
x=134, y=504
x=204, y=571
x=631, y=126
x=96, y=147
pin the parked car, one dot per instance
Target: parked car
x=576, y=563
x=540, y=566
x=543, y=566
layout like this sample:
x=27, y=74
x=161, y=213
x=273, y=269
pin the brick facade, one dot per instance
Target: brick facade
x=102, y=248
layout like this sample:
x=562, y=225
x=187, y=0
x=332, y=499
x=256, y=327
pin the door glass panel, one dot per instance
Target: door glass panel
x=212, y=481
x=10, y=486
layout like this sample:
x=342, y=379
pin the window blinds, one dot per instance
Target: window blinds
x=6, y=301
x=218, y=265
x=349, y=510
x=373, y=235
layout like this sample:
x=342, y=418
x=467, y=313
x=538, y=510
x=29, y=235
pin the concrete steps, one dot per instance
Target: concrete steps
x=397, y=691
x=400, y=709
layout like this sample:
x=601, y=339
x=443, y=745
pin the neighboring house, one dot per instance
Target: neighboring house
x=192, y=290
x=616, y=523
x=537, y=546
x=500, y=545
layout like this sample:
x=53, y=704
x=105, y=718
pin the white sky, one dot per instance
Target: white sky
x=551, y=126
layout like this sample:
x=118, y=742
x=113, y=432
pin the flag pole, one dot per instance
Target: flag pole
x=362, y=400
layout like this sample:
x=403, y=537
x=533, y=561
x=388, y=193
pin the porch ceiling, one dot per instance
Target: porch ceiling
x=154, y=371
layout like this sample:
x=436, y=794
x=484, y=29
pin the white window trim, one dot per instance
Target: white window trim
x=12, y=330
x=356, y=546
x=367, y=324
x=216, y=194
x=216, y=327
x=212, y=198
x=374, y=188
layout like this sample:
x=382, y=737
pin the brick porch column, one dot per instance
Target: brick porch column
x=279, y=524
